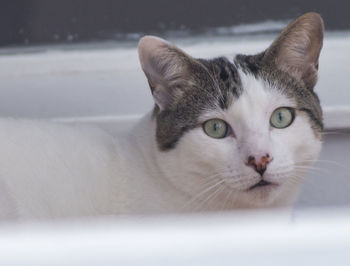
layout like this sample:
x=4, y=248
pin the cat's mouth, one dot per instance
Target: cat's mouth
x=262, y=183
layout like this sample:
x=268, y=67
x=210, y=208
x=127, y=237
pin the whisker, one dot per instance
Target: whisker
x=211, y=196
x=217, y=86
x=294, y=179
x=207, y=189
x=227, y=199
x=312, y=170
x=329, y=162
x=342, y=133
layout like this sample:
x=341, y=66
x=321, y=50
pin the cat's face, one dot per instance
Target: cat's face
x=241, y=131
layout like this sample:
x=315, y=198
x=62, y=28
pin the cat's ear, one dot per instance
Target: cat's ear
x=165, y=66
x=298, y=48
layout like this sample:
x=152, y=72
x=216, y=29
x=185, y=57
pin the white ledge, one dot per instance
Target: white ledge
x=335, y=117
x=67, y=82
x=256, y=238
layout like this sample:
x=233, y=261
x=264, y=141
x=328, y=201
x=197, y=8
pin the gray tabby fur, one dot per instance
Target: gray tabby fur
x=203, y=84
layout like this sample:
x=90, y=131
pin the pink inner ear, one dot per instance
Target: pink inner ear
x=298, y=47
x=148, y=47
x=164, y=66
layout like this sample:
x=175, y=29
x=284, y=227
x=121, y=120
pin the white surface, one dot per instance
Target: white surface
x=107, y=79
x=314, y=238
x=336, y=117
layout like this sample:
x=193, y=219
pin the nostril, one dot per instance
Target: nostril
x=251, y=160
x=266, y=159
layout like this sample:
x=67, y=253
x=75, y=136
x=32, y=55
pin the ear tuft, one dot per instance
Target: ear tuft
x=298, y=48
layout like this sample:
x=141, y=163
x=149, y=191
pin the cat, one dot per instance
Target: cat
x=224, y=134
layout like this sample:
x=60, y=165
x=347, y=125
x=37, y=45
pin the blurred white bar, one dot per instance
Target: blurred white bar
x=262, y=238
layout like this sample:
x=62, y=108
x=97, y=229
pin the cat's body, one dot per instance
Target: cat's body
x=51, y=170
x=223, y=135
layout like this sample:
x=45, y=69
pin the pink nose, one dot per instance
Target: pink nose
x=259, y=165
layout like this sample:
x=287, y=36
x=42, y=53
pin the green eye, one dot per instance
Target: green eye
x=282, y=117
x=215, y=128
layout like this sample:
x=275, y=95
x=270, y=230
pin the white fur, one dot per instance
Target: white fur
x=200, y=162
x=52, y=170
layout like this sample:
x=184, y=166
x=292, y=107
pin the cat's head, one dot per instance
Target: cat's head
x=249, y=126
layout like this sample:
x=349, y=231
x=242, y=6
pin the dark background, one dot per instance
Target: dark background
x=30, y=22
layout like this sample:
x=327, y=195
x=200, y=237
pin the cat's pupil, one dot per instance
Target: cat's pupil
x=280, y=116
x=217, y=126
